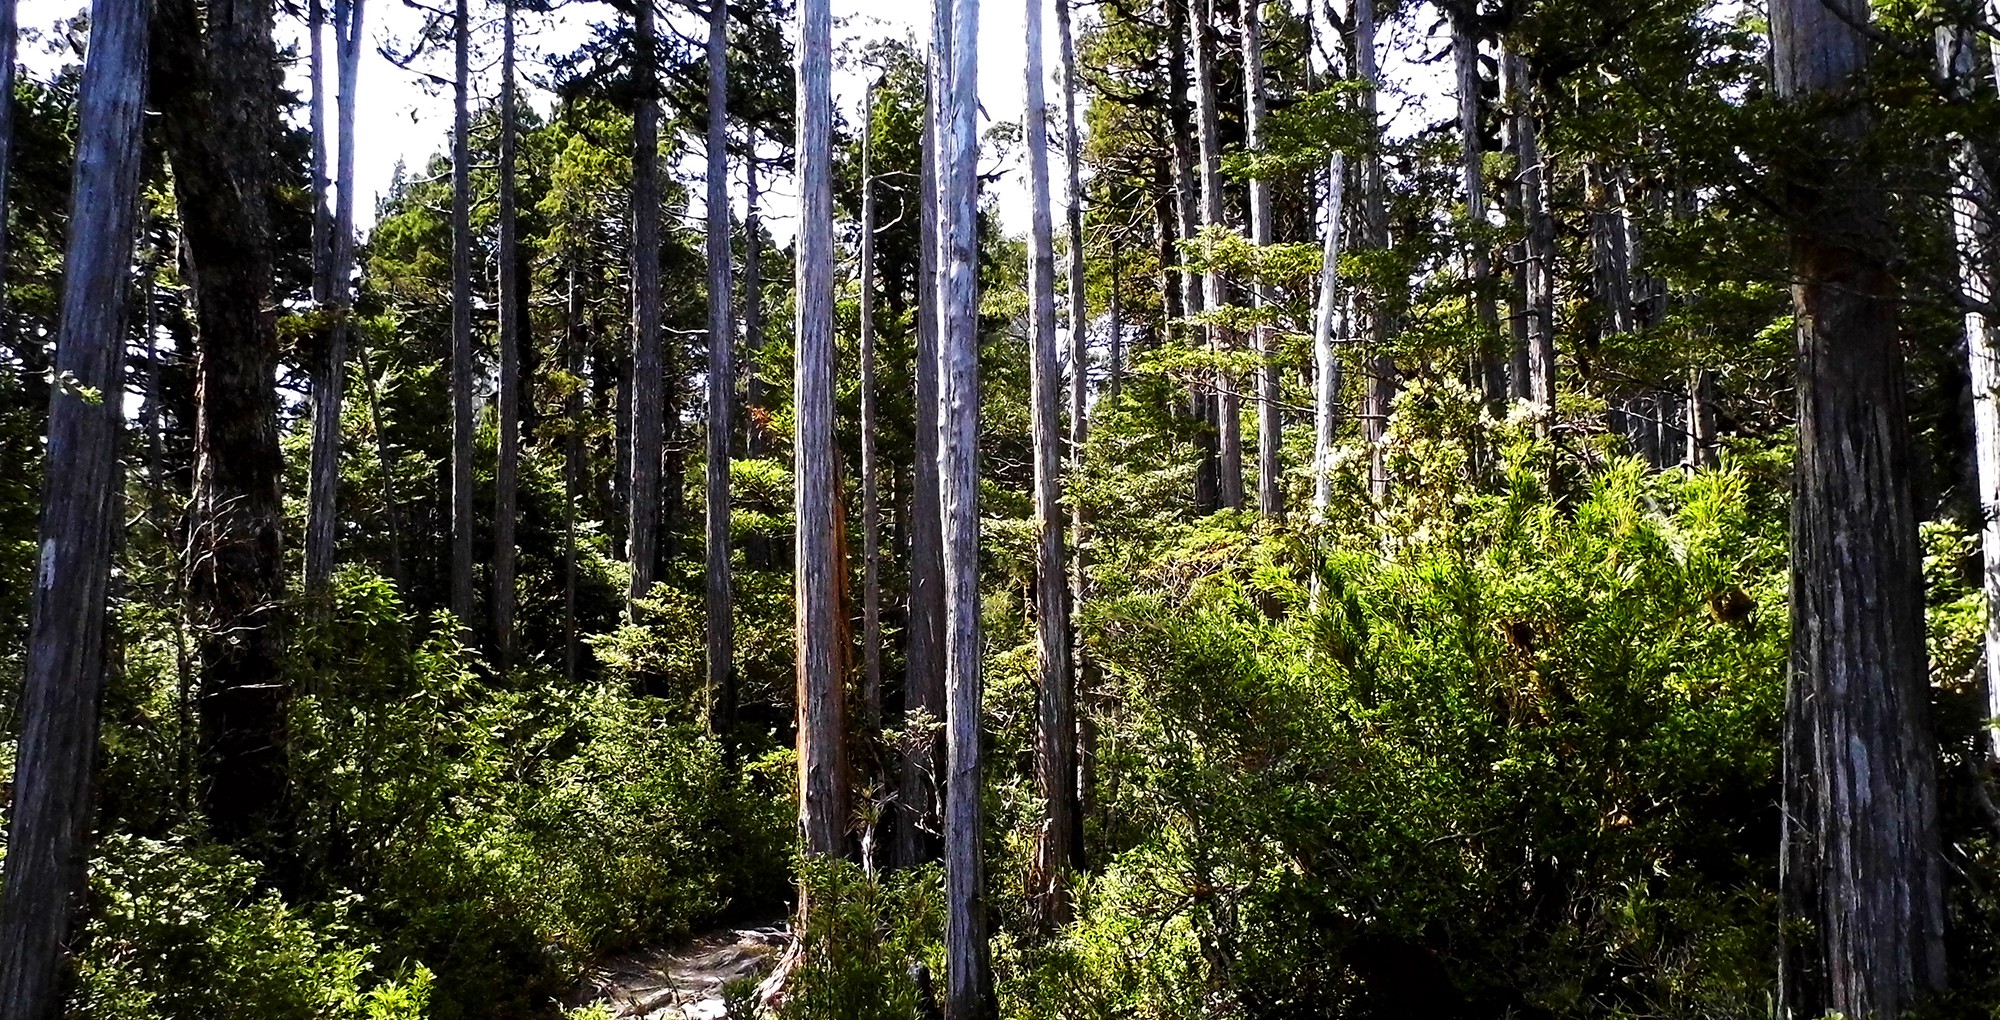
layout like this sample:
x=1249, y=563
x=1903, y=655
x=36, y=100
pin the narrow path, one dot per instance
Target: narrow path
x=684, y=983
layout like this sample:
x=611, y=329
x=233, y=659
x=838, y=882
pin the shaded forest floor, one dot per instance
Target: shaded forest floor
x=689, y=982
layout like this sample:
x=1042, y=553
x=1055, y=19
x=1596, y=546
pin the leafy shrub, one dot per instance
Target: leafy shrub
x=178, y=929
x=863, y=936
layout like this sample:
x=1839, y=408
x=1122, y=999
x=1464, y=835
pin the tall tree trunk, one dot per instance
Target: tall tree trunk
x=1270, y=501
x=1610, y=247
x=755, y=432
x=463, y=429
x=1079, y=317
x=347, y=22
x=1381, y=368
x=1326, y=362
x=1512, y=194
x=1492, y=362
x=923, y=683
x=871, y=509
x=1055, y=718
x=1701, y=419
x=969, y=975
x=391, y=505
x=1538, y=245
x=821, y=700
x=507, y=458
x=217, y=89
x=1180, y=129
x=574, y=340
x=1978, y=265
x=721, y=381
x=1114, y=369
x=1228, y=404
x=323, y=475
x=9, y=28
x=64, y=669
x=648, y=357
x=1860, y=883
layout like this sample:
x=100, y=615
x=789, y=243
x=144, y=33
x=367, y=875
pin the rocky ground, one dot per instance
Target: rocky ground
x=686, y=983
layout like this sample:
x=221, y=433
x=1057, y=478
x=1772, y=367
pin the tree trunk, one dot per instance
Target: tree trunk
x=871, y=509
x=463, y=429
x=1055, y=720
x=574, y=340
x=1228, y=404
x=1114, y=369
x=9, y=28
x=755, y=430
x=1860, y=884
x=721, y=381
x=1381, y=368
x=969, y=976
x=217, y=89
x=1978, y=264
x=1079, y=317
x=1270, y=437
x=1326, y=362
x=1492, y=360
x=648, y=357
x=1538, y=247
x=1516, y=215
x=821, y=700
x=1700, y=420
x=923, y=685
x=1180, y=129
x=507, y=458
x=64, y=669
x=323, y=474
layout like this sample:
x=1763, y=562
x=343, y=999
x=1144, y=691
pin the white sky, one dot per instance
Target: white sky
x=405, y=119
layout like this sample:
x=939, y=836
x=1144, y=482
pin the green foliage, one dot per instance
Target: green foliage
x=863, y=937
x=1511, y=754
x=180, y=929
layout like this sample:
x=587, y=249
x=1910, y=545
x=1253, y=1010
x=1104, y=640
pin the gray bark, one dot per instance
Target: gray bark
x=462, y=427
x=64, y=669
x=1381, y=368
x=506, y=468
x=1180, y=129
x=1978, y=263
x=1538, y=246
x=755, y=442
x=1326, y=362
x=924, y=693
x=1055, y=719
x=1860, y=883
x=323, y=473
x=648, y=358
x=9, y=20
x=1492, y=361
x=1228, y=403
x=720, y=603
x=1270, y=500
x=821, y=698
x=871, y=508
x=969, y=978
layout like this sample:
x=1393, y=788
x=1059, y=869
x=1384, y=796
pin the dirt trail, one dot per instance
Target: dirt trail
x=684, y=983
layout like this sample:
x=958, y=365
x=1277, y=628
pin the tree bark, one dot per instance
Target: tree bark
x=871, y=509
x=1180, y=129
x=1381, y=368
x=755, y=430
x=1860, y=883
x=574, y=341
x=821, y=699
x=217, y=89
x=9, y=28
x=1270, y=437
x=648, y=355
x=1055, y=719
x=1326, y=362
x=1492, y=360
x=969, y=976
x=720, y=602
x=1228, y=403
x=463, y=429
x=1538, y=247
x=921, y=795
x=507, y=458
x=323, y=473
x=64, y=669
x=1978, y=266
